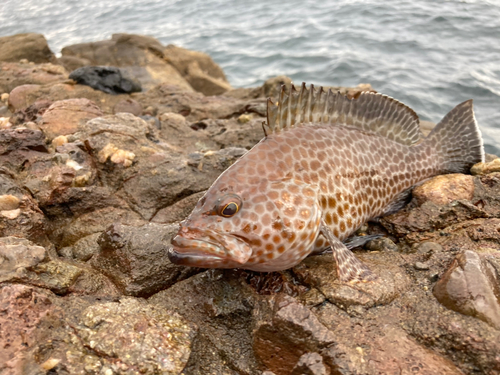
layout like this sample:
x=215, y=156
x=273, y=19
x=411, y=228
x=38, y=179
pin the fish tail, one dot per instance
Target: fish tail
x=457, y=140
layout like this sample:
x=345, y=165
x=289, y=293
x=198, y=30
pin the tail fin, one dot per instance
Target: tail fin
x=457, y=139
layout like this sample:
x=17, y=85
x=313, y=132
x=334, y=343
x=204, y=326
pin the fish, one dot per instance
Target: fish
x=327, y=165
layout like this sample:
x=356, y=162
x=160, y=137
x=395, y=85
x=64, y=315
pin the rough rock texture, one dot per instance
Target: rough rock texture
x=92, y=186
x=64, y=116
x=16, y=74
x=32, y=47
x=135, y=258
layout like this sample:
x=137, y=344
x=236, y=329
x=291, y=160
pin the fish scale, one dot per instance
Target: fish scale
x=327, y=165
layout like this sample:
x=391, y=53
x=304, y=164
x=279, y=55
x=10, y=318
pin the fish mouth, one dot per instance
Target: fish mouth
x=208, y=249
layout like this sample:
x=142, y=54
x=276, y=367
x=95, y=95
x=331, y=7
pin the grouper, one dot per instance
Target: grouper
x=326, y=166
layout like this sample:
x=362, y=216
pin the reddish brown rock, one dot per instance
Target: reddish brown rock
x=20, y=97
x=289, y=332
x=17, y=74
x=64, y=117
x=472, y=287
x=30, y=46
x=445, y=189
x=24, y=96
x=21, y=310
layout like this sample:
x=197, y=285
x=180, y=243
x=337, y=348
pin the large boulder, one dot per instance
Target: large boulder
x=140, y=56
x=198, y=69
x=32, y=47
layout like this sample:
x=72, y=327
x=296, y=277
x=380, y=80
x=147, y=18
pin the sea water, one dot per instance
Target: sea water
x=428, y=54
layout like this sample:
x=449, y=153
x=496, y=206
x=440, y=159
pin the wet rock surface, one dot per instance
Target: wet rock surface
x=93, y=185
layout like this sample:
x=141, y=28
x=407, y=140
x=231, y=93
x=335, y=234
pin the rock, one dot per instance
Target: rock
x=136, y=337
x=310, y=364
x=8, y=202
x=24, y=96
x=221, y=305
x=429, y=248
x=319, y=272
x=64, y=117
x=18, y=98
x=17, y=74
x=382, y=244
x=486, y=168
x=19, y=253
x=471, y=287
x=135, y=258
x=71, y=63
x=204, y=83
x=280, y=340
x=82, y=249
x=59, y=141
x=178, y=211
x=20, y=215
x=194, y=106
x=21, y=311
x=243, y=119
x=33, y=113
x=128, y=106
x=272, y=87
x=203, y=74
x=139, y=56
x=445, y=189
x=30, y=46
x=105, y=78
x=421, y=266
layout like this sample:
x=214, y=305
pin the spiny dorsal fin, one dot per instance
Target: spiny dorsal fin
x=371, y=112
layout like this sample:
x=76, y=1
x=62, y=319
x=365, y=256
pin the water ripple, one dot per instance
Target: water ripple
x=431, y=55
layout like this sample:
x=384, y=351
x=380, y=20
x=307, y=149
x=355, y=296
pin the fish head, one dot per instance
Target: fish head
x=264, y=225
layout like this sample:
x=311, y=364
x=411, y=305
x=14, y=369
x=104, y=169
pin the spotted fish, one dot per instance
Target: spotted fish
x=327, y=165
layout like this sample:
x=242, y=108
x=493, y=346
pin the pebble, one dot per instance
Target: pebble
x=243, y=119
x=421, y=266
x=4, y=97
x=382, y=244
x=59, y=141
x=429, y=247
x=8, y=202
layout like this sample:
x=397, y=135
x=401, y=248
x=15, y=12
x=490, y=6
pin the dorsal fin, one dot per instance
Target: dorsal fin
x=371, y=112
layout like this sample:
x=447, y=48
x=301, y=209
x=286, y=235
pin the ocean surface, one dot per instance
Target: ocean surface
x=428, y=54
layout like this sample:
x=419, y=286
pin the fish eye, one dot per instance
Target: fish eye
x=228, y=205
x=229, y=209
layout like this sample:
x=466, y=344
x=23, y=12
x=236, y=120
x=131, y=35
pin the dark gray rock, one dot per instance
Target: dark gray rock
x=105, y=78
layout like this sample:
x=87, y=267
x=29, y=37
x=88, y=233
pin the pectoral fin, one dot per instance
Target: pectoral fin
x=349, y=268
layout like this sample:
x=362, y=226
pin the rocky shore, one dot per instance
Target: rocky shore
x=104, y=149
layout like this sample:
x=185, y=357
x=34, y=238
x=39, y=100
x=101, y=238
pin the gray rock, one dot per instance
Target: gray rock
x=136, y=337
x=105, y=78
